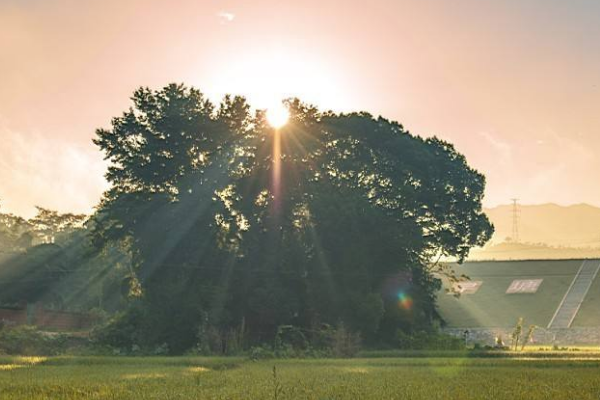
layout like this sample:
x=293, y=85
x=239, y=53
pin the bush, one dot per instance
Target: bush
x=428, y=341
x=294, y=342
x=209, y=341
x=29, y=341
x=121, y=332
x=261, y=353
x=292, y=337
x=345, y=343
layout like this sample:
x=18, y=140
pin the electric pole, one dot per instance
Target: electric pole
x=515, y=221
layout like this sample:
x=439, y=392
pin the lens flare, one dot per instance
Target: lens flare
x=405, y=301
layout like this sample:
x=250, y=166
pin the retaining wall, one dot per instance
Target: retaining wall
x=541, y=336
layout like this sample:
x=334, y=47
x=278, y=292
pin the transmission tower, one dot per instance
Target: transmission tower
x=515, y=220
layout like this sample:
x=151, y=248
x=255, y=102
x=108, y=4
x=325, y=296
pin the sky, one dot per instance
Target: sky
x=514, y=84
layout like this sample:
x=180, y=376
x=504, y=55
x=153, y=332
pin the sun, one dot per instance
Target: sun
x=278, y=116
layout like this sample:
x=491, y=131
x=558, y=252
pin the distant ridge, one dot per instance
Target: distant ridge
x=550, y=224
x=546, y=231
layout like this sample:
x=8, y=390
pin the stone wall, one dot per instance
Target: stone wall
x=541, y=336
x=35, y=314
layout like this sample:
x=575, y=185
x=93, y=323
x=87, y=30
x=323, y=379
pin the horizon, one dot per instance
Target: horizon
x=485, y=207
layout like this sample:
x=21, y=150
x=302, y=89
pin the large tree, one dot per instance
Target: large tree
x=230, y=222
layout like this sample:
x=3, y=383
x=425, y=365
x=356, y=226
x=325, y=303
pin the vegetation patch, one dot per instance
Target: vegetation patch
x=366, y=378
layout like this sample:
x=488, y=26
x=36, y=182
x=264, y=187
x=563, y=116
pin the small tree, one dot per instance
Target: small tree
x=528, y=337
x=517, y=332
x=345, y=343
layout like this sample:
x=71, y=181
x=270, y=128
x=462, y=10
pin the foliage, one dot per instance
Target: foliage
x=292, y=336
x=121, y=331
x=28, y=340
x=294, y=342
x=47, y=226
x=49, y=259
x=528, y=337
x=517, y=333
x=70, y=276
x=53, y=227
x=327, y=219
x=345, y=343
x=428, y=341
x=262, y=352
x=520, y=336
x=15, y=233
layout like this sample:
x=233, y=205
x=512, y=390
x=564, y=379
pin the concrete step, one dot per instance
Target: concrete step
x=569, y=306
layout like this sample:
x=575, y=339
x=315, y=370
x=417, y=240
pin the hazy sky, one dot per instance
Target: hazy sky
x=515, y=84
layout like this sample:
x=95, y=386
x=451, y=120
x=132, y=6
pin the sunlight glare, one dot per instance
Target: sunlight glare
x=268, y=75
x=278, y=116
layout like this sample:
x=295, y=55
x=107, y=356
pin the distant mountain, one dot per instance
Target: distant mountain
x=528, y=251
x=546, y=231
x=550, y=224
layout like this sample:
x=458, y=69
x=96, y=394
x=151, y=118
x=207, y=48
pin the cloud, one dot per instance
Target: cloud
x=225, y=17
x=44, y=170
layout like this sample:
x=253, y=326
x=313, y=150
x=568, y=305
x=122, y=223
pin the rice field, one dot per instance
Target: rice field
x=237, y=378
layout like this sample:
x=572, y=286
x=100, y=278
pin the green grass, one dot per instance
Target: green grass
x=231, y=378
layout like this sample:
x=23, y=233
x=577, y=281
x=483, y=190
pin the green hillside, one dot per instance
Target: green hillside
x=589, y=312
x=491, y=306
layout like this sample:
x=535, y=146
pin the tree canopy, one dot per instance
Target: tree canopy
x=335, y=217
x=47, y=226
x=49, y=258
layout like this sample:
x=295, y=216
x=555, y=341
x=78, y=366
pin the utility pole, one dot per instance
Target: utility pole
x=515, y=221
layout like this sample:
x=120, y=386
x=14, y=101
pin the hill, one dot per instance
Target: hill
x=550, y=224
x=546, y=231
x=559, y=297
x=531, y=251
x=491, y=306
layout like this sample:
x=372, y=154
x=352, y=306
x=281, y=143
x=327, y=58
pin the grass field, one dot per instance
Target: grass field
x=231, y=378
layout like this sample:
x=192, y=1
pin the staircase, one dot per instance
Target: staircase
x=569, y=306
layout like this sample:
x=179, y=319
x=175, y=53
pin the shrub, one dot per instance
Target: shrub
x=120, y=332
x=345, y=343
x=289, y=336
x=261, y=353
x=209, y=341
x=29, y=341
x=428, y=341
